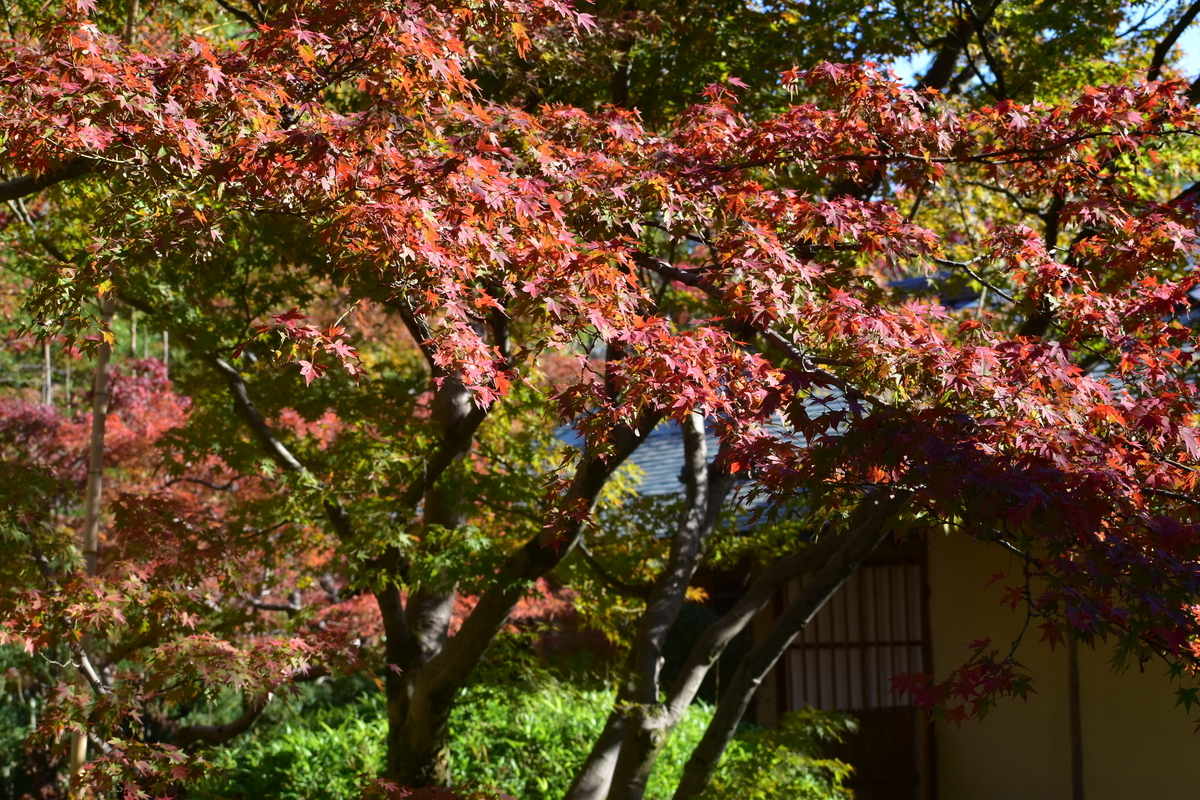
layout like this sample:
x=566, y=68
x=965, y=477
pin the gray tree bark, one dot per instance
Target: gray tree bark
x=645, y=733
x=639, y=683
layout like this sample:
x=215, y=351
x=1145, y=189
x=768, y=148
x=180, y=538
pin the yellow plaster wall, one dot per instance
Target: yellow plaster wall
x=1136, y=743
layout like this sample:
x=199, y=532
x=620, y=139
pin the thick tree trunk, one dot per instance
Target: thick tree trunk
x=420, y=699
x=594, y=778
x=419, y=705
x=857, y=544
x=418, y=737
x=418, y=751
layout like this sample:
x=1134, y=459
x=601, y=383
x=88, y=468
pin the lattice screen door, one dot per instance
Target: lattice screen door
x=874, y=627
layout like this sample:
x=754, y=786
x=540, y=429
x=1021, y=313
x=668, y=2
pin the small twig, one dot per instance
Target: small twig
x=217, y=487
x=1175, y=495
x=965, y=266
x=82, y=662
x=642, y=592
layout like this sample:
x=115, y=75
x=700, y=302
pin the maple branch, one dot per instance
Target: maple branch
x=1028, y=328
x=1193, y=92
x=499, y=322
x=980, y=24
x=640, y=591
x=219, y=734
x=448, y=450
x=781, y=343
x=246, y=409
x=687, y=545
x=457, y=439
x=1027, y=154
x=25, y=185
x=623, y=766
x=238, y=13
x=418, y=329
x=540, y=554
x=1009, y=193
x=942, y=69
x=82, y=662
x=965, y=266
x=291, y=608
x=717, y=636
x=1163, y=48
x=776, y=339
x=1175, y=495
x=1033, y=564
x=433, y=468
x=338, y=516
x=223, y=487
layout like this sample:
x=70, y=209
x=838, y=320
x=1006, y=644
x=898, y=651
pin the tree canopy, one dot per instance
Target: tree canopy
x=389, y=251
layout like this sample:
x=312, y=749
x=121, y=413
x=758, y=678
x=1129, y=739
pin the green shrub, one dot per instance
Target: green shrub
x=524, y=740
x=528, y=743
x=764, y=764
x=312, y=754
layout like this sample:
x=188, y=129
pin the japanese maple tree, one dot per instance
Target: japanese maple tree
x=395, y=256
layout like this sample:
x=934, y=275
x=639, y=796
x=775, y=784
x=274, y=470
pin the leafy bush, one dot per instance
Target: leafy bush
x=529, y=743
x=763, y=764
x=313, y=754
x=525, y=740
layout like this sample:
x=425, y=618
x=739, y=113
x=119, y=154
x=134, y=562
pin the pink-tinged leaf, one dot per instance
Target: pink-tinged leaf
x=340, y=348
x=291, y=315
x=310, y=371
x=1191, y=442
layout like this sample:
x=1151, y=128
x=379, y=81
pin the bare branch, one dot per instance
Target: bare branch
x=1163, y=48
x=82, y=662
x=965, y=266
x=719, y=634
x=640, y=591
x=218, y=487
x=292, y=607
x=249, y=412
x=448, y=450
x=539, y=555
x=16, y=188
x=219, y=734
